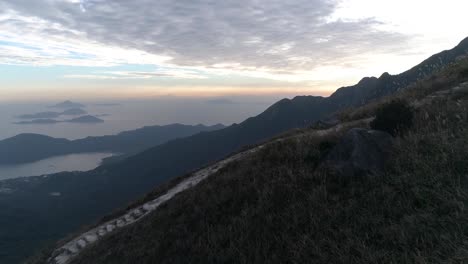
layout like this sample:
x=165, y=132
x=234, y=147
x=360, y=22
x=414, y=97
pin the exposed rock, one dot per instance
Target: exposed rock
x=82, y=243
x=110, y=228
x=137, y=213
x=460, y=91
x=91, y=238
x=360, y=152
x=102, y=232
x=120, y=223
x=129, y=218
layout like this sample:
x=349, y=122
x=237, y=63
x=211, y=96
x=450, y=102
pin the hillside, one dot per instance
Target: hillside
x=288, y=201
x=301, y=111
x=32, y=147
x=87, y=196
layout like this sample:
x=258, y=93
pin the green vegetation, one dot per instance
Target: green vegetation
x=279, y=207
x=395, y=118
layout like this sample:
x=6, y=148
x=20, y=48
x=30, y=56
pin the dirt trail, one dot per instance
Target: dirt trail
x=67, y=252
x=64, y=254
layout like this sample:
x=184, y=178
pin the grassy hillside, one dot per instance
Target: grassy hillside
x=278, y=206
x=89, y=196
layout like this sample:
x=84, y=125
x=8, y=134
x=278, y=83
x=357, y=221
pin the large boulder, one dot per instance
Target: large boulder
x=359, y=152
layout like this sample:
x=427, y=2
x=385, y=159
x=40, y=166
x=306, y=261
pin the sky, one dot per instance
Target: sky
x=111, y=49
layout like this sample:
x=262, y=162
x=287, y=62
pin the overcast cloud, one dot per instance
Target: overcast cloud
x=273, y=36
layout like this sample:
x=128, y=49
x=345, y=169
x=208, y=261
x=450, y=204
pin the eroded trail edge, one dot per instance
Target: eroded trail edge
x=67, y=252
x=73, y=248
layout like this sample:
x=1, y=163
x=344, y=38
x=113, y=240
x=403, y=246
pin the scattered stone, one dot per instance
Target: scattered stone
x=73, y=249
x=102, y=232
x=81, y=243
x=110, y=228
x=137, y=213
x=150, y=206
x=91, y=238
x=62, y=259
x=129, y=218
x=120, y=223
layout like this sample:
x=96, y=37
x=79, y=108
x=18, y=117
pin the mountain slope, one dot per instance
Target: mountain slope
x=32, y=147
x=179, y=156
x=23, y=148
x=372, y=88
x=277, y=203
x=89, y=195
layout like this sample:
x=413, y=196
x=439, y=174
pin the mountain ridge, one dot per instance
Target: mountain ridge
x=339, y=195
x=140, y=173
x=30, y=147
x=68, y=104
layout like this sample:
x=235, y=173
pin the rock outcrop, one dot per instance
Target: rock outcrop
x=359, y=152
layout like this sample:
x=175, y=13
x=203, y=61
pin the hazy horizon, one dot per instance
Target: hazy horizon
x=365, y=163
x=124, y=115
x=111, y=50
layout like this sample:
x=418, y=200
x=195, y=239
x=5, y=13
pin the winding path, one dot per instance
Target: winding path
x=67, y=252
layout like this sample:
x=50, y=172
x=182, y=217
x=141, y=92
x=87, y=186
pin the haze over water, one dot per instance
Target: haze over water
x=129, y=115
x=72, y=162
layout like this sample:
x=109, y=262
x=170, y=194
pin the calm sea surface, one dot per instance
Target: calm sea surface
x=118, y=117
x=73, y=162
x=129, y=116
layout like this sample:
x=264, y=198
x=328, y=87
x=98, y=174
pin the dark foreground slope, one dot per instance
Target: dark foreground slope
x=86, y=196
x=32, y=147
x=280, y=206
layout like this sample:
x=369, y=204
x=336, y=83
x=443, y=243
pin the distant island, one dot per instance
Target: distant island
x=40, y=115
x=40, y=121
x=88, y=119
x=47, y=115
x=70, y=109
x=74, y=112
x=68, y=104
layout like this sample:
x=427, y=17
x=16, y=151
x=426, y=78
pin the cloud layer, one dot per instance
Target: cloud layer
x=270, y=37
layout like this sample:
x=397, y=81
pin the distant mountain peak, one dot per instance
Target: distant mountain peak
x=366, y=80
x=464, y=42
x=68, y=104
x=384, y=75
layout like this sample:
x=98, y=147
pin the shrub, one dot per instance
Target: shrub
x=464, y=73
x=395, y=118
